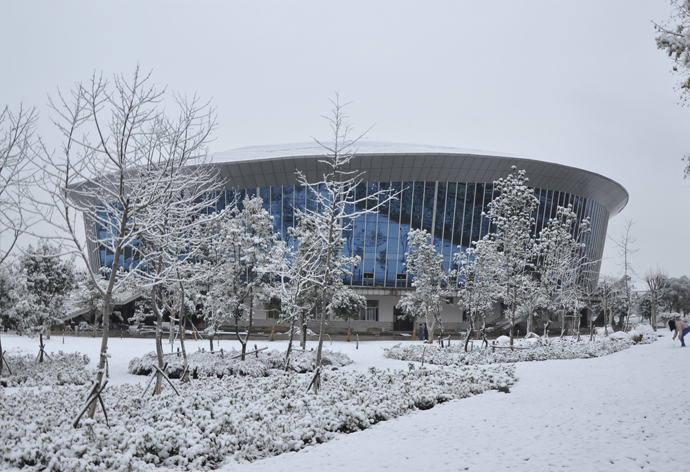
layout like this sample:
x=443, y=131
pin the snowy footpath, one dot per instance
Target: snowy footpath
x=622, y=412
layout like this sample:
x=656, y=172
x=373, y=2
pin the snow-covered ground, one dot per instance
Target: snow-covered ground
x=619, y=412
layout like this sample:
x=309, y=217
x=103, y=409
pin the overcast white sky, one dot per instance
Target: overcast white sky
x=579, y=82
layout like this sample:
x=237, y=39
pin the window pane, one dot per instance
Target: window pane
x=469, y=213
x=429, y=191
x=449, y=215
x=288, y=212
x=418, y=205
x=276, y=208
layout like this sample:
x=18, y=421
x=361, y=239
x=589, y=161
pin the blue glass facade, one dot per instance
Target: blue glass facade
x=451, y=211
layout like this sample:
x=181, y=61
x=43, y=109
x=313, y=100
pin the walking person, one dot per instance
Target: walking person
x=681, y=328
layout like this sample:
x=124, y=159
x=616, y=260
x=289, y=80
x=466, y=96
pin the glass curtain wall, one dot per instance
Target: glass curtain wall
x=450, y=211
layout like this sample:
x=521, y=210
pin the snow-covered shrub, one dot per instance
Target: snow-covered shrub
x=556, y=349
x=245, y=418
x=643, y=334
x=60, y=369
x=220, y=364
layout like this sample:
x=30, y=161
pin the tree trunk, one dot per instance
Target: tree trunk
x=243, y=343
x=40, y=346
x=482, y=332
x=159, y=343
x=103, y=358
x=183, y=324
x=289, y=348
x=431, y=327
x=2, y=354
x=303, y=333
x=95, y=324
x=546, y=329
x=172, y=332
x=469, y=331
x=185, y=365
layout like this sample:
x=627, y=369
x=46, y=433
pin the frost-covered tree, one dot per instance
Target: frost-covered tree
x=674, y=39
x=18, y=146
x=249, y=257
x=48, y=280
x=477, y=285
x=625, y=244
x=346, y=305
x=117, y=163
x=89, y=294
x=609, y=294
x=429, y=281
x=11, y=290
x=677, y=295
x=656, y=280
x=296, y=285
x=173, y=239
x=561, y=263
x=336, y=206
x=534, y=301
x=511, y=213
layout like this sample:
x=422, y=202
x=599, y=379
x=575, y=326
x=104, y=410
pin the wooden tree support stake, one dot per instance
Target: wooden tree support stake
x=95, y=395
x=317, y=374
x=256, y=351
x=38, y=356
x=165, y=376
x=2, y=359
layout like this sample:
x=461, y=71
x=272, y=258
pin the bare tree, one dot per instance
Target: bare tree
x=608, y=292
x=624, y=245
x=656, y=282
x=18, y=146
x=336, y=206
x=115, y=170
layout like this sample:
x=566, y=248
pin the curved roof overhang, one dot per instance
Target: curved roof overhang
x=270, y=166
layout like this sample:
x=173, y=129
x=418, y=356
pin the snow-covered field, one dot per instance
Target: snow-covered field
x=619, y=412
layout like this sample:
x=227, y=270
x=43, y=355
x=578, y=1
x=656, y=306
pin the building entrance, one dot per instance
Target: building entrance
x=400, y=322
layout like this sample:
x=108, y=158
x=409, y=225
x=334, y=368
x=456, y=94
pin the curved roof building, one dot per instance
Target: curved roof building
x=444, y=190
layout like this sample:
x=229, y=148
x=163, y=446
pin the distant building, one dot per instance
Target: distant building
x=444, y=190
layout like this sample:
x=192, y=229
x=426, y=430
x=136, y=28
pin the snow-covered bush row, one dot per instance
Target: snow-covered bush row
x=60, y=369
x=261, y=364
x=640, y=334
x=556, y=349
x=245, y=418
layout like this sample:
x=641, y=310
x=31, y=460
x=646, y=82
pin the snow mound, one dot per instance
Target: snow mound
x=223, y=363
x=58, y=369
